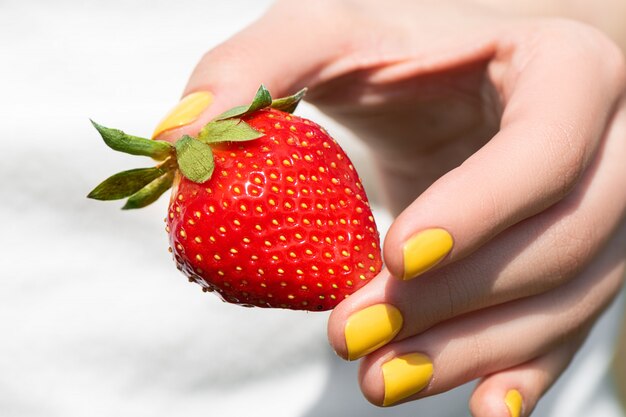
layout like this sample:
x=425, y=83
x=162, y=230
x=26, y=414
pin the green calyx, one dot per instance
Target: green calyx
x=192, y=156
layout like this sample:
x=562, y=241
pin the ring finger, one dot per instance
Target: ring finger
x=497, y=273
x=494, y=339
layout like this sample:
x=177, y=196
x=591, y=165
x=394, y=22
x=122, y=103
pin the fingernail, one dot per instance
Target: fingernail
x=371, y=328
x=406, y=375
x=424, y=250
x=513, y=401
x=185, y=112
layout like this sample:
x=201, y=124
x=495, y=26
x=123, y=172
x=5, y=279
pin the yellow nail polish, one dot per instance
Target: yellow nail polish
x=185, y=112
x=406, y=375
x=424, y=250
x=513, y=401
x=371, y=328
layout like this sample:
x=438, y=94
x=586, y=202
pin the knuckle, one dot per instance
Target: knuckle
x=570, y=149
x=573, y=248
x=492, y=209
x=463, y=295
x=444, y=296
x=480, y=349
x=477, y=358
x=425, y=312
x=447, y=296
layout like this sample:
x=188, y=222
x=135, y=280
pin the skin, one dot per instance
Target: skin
x=504, y=128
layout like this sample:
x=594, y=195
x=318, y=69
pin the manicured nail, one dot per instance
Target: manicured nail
x=513, y=401
x=406, y=375
x=371, y=328
x=424, y=250
x=185, y=112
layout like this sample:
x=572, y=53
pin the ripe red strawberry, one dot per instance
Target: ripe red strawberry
x=271, y=214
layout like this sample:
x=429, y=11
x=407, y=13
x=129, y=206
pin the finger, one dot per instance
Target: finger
x=516, y=391
x=557, y=244
x=457, y=351
x=273, y=51
x=551, y=126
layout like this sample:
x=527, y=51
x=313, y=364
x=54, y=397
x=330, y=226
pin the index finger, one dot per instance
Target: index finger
x=559, y=84
x=229, y=74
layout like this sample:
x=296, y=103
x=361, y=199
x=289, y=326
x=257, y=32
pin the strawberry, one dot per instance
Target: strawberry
x=266, y=209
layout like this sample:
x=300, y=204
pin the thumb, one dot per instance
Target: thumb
x=273, y=51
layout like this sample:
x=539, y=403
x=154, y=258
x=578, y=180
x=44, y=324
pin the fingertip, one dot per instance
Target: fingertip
x=488, y=400
x=392, y=251
x=184, y=113
x=371, y=380
x=335, y=329
x=365, y=321
x=196, y=109
x=513, y=401
x=412, y=252
x=371, y=328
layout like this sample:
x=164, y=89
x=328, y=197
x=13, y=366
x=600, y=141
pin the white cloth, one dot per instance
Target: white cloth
x=94, y=318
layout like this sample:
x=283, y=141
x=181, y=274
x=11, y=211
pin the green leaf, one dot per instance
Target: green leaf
x=120, y=141
x=195, y=159
x=290, y=103
x=234, y=112
x=151, y=192
x=229, y=130
x=261, y=100
x=125, y=183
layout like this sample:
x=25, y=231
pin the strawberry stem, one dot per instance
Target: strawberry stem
x=193, y=157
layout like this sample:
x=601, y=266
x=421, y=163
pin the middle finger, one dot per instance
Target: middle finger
x=529, y=258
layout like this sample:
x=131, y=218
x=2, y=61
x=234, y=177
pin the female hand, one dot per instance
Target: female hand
x=500, y=143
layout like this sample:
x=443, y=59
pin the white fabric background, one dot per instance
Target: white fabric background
x=94, y=318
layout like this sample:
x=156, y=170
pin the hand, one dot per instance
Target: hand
x=500, y=143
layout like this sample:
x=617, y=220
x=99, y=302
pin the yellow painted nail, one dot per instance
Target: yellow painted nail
x=371, y=328
x=406, y=375
x=513, y=401
x=425, y=250
x=185, y=112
